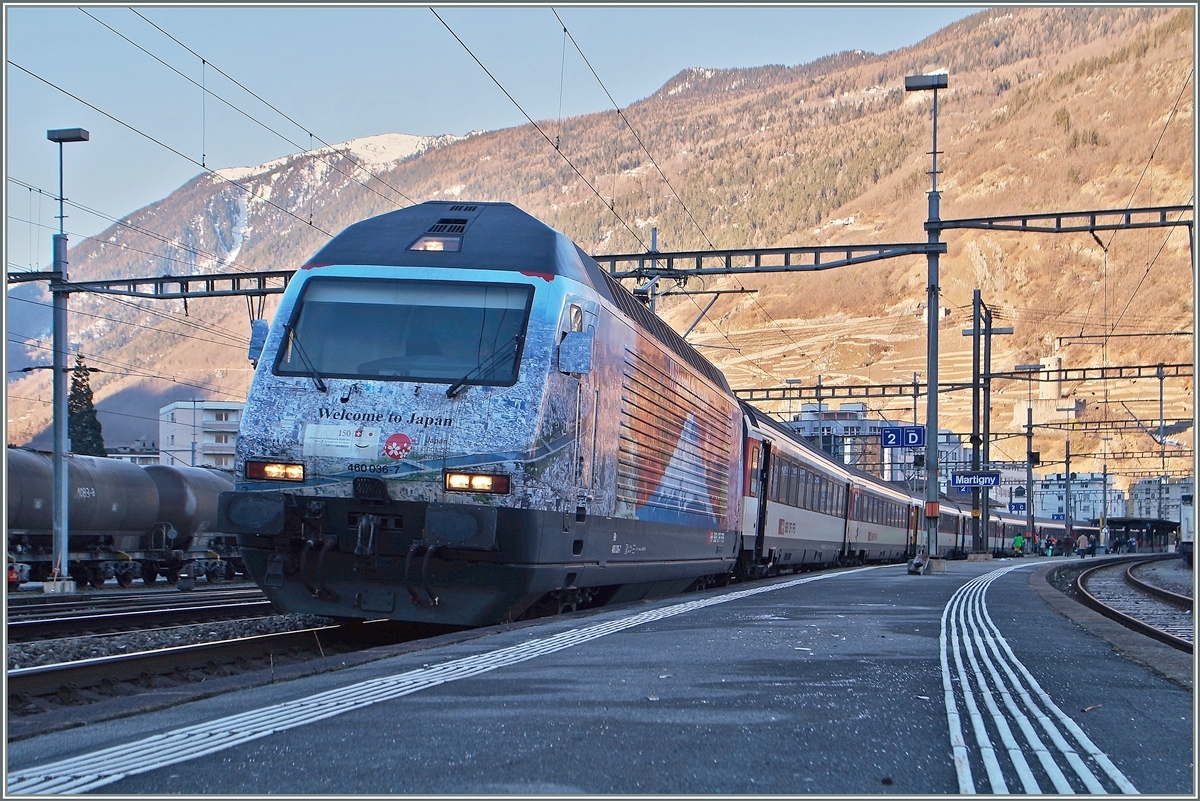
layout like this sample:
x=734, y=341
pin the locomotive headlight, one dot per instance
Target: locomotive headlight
x=476, y=482
x=274, y=471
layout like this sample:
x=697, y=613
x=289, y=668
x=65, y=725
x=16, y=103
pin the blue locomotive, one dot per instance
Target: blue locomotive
x=458, y=417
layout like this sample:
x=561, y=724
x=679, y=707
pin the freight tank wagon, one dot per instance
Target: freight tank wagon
x=124, y=521
x=459, y=418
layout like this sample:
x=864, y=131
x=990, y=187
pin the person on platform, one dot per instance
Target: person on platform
x=1081, y=545
x=1019, y=545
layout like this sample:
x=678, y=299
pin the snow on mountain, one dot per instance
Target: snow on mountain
x=371, y=152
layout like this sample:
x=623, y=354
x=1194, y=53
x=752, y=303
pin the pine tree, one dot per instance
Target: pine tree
x=83, y=427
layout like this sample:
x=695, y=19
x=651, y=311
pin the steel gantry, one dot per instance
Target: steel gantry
x=908, y=390
x=679, y=265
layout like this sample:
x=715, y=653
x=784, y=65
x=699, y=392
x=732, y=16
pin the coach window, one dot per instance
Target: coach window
x=754, y=456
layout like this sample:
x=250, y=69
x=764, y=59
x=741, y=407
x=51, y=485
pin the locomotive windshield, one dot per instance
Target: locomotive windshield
x=407, y=331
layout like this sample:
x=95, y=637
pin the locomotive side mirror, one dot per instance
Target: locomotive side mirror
x=258, y=338
x=575, y=352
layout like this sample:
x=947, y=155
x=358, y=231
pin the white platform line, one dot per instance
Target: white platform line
x=968, y=608
x=962, y=761
x=1106, y=764
x=978, y=609
x=1029, y=782
x=986, y=751
x=98, y=769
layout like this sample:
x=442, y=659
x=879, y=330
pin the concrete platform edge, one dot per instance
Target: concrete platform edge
x=1173, y=665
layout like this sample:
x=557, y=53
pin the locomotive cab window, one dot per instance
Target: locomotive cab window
x=407, y=331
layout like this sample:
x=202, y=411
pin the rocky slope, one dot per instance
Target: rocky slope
x=1048, y=110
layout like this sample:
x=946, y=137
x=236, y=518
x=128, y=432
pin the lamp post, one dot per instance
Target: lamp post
x=793, y=382
x=920, y=83
x=1030, y=369
x=58, y=290
x=1104, y=495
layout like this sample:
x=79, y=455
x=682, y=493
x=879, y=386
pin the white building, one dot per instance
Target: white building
x=199, y=433
x=849, y=435
x=1158, y=498
x=140, y=453
x=1087, y=497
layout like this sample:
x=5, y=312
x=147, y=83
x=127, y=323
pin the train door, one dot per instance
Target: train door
x=914, y=531
x=851, y=500
x=587, y=410
x=760, y=525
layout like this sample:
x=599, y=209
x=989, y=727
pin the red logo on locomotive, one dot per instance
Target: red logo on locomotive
x=397, y=446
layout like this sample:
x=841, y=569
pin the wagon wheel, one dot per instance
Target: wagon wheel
x=230, y=571
x=172, y=574
x=125, y=579
x=95, y=577
x=149, y=574
x=213, y=575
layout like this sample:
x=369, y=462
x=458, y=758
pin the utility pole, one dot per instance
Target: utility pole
x=60, y=570
x=981, y=384
x=1029, y=370
x=820, y=418
x=933, y=229
x=976, y=540
x=1029, y=470
x=1162, y=443
x=988, y=331
x=1068, y=517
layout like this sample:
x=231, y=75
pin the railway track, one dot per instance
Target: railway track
x=1115, y=592
x=34, y=621
x=33, y=691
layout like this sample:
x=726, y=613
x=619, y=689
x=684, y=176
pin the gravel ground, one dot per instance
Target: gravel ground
x=1170, y=574
x=70, y=649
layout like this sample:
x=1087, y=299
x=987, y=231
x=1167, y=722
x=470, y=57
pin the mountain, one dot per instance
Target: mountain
x=1048, y=109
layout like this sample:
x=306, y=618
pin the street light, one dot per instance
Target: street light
x=59, y=582
x=1029, y=369
x=920, y=83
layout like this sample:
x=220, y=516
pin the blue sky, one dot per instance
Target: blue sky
x=345, y=73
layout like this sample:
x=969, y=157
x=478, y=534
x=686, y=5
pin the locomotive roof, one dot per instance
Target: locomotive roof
x=494, y=236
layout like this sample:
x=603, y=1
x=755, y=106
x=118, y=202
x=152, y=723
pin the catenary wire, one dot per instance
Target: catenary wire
x=257, y=97
x=98, y=410
x=238, y=343
x=333, y=166
x=163, y=145
x=127, y=370
x=206, y=326
x=667, y=181
x=538, y=128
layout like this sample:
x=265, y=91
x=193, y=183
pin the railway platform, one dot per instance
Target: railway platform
x=983, y=679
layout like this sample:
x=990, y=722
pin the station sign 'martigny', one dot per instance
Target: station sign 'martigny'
x=976, y=479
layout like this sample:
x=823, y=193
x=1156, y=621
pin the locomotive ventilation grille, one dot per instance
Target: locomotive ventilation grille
x=448, y=226
x=460, y=207
x=681, y=438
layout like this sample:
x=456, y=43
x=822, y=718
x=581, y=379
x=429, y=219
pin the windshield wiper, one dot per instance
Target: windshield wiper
x=514, y=343
x=316, y=377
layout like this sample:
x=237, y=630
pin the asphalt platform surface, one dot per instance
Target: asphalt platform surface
x=849, y=681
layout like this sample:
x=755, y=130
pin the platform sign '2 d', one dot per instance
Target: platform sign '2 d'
x=902, y=437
